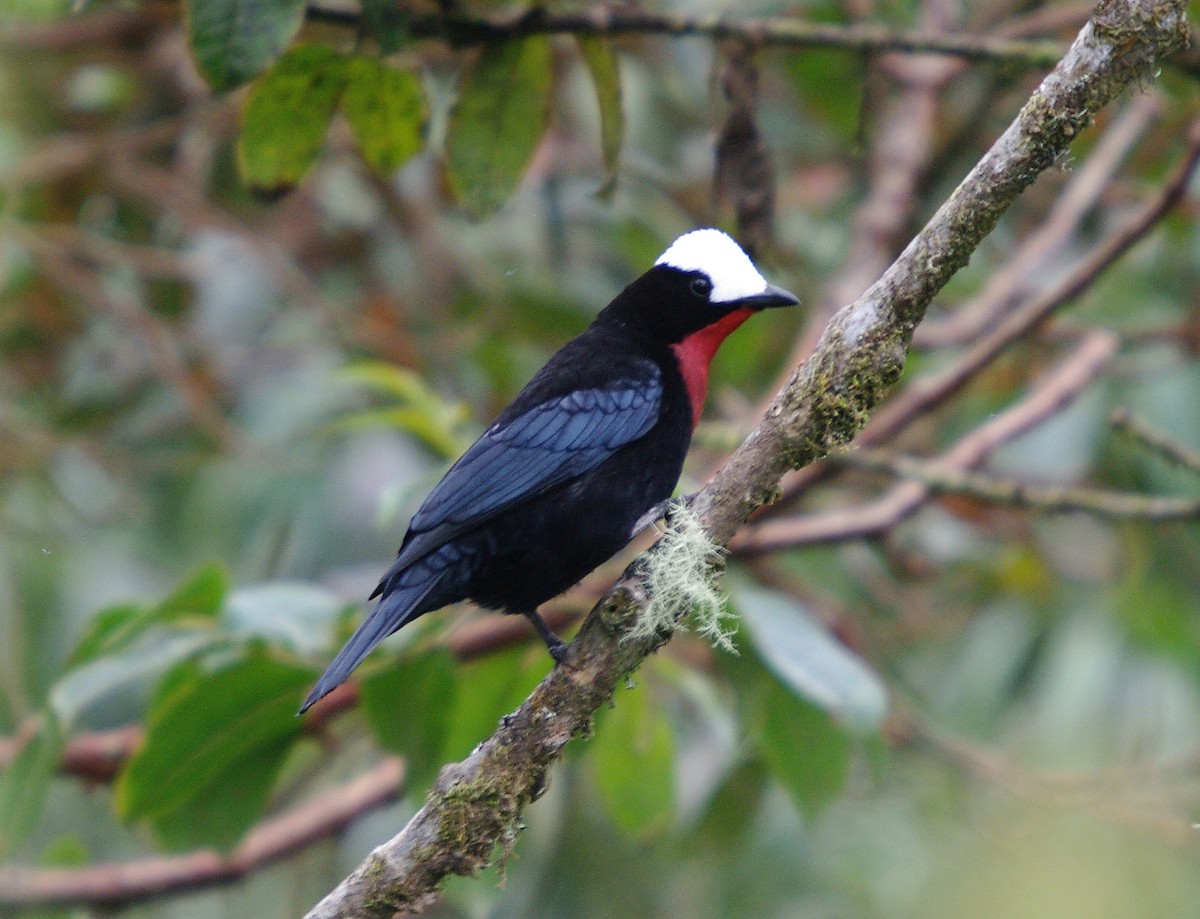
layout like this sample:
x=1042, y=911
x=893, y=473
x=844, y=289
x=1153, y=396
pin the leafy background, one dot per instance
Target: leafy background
x=261, y=286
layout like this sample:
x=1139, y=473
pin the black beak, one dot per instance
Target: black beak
x=771, y=297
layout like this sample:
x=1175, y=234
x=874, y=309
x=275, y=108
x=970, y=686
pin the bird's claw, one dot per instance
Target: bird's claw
x=559, y=649
x=661, y=510
x=561, y=652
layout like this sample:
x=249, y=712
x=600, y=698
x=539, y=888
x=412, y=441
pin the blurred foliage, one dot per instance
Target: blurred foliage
x=218, y=410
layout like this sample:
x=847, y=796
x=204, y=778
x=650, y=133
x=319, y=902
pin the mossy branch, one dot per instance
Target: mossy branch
x=476, y=804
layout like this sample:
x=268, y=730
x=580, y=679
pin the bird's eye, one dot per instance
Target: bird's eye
x=701, y=287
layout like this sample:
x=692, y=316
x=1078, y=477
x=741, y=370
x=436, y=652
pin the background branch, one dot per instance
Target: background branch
x=1167, y=447
x=604, y=20
x=1061, y=386
x=941, y=479
x=118, y=883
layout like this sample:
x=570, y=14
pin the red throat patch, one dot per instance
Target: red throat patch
x=695, y=354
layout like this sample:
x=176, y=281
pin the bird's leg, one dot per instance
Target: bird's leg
x=556, y=646
x=661, y=509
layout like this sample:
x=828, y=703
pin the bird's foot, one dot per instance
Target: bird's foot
x=660, y=510
x=559, y=649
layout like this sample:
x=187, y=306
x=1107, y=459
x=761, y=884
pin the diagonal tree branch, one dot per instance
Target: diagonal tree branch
x=862, y=351
x=476, y=804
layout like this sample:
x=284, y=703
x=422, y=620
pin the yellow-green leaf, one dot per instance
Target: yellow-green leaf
x=114, y=628
x=287, y=115
x=421, y=410
x=386, y=111
x=502, y=111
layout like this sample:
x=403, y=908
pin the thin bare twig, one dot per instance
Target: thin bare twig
x=1167, y=447
x=108, y=28
x=943, y=480
x=743, y=172
x=925, y=394
x=94, y=756
x=160, y=346
x=116, y=26
x=1060, y=387
x=98, y=756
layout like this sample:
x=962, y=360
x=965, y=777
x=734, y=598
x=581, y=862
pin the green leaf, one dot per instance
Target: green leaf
x=287, y=115
x=301, y=617
x=389, y=380
x=202, y=594
x=806, y=752
x=801, y=652
x=113, y=629
x=386, y=111
x=602, y=64
x=109, y=630
x=122, y=673
x=407, y=705
x=221, y=810
x=733, y=810
x=411, y=420
x=634, y=758
x=502, y=112
x=23, y=785
x=214, y=745
x=487, y=690
x=67, y=851
x=233, y=41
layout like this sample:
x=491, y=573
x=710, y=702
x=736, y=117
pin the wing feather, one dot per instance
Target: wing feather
x=524, y=456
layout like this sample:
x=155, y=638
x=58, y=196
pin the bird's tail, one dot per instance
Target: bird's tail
x=395, y=609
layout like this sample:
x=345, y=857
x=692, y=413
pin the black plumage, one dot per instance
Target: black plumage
x=556, y=484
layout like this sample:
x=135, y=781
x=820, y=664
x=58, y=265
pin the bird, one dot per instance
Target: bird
x=587, y=451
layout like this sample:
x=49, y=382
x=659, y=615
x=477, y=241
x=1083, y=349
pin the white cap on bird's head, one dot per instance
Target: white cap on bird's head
x=721, y=259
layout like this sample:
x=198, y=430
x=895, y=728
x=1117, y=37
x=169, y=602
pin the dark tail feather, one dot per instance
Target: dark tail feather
x=398, y=608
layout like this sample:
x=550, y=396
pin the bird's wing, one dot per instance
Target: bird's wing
x=523, y=456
